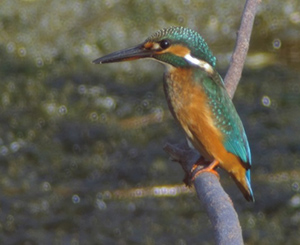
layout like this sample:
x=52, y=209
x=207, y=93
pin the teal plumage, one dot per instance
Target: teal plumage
x=227, y=120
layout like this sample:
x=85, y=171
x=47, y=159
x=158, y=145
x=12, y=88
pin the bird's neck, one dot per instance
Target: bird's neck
x=178, y=85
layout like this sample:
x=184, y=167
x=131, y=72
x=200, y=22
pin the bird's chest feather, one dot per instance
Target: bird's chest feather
x=189, y=105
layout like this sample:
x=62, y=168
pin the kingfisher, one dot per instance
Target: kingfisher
x=197, y=99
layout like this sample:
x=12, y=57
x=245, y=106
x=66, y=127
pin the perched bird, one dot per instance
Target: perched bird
x=197, y=99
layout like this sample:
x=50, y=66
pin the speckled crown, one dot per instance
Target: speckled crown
x=190, y=38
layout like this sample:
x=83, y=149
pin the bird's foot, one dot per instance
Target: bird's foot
x=200, y=162
x=210, y=168
x=200, y=166
x=189, y=173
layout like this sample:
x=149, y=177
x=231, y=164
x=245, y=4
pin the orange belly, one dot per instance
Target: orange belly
x=196, y=120
x=188, y=104
x=190, y=107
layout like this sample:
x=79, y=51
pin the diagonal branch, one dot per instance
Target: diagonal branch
x=238, y=57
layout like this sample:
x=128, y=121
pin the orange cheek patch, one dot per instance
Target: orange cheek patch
x=178, y=50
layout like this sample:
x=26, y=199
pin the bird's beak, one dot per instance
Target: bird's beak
x=134, y=53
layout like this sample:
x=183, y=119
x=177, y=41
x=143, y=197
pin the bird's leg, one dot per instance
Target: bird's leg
x=189, y=173
x=200, y=161
x=210, y=168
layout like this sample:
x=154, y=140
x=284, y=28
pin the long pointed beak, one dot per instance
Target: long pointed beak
x=134, y=53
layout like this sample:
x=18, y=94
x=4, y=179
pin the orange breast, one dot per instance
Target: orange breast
x=189, y=104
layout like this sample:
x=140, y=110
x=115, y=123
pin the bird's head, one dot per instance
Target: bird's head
x=175, y=46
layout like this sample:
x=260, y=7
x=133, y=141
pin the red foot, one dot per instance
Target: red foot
x=189, y=175
x=200, y=161
x=210, y=168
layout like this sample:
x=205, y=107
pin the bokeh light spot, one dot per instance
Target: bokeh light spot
x=94, y=116
x=75, y=199
x=81, y=89
x=11, y=47
x=46, y=186
x=295, y=17
x=276, y=43
x=39, y=62
x=3, y=150
x=266, y=101
x=86, y=49
x=63, y=110
x=14, y=146
x=101, y=204
x=22, y=52
x=295, y=201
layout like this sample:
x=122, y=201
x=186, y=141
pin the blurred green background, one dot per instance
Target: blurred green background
x=81, y=144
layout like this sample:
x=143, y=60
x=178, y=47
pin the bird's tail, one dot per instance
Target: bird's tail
x=244, y=185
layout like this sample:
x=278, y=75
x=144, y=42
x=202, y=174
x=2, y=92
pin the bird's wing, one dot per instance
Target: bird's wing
x=226, y=118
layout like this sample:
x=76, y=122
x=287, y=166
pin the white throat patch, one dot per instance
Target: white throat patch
x=202, y=64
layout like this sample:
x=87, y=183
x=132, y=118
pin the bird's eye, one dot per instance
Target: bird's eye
x=164, y=44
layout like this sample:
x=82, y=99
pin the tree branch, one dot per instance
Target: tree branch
x=216, y=202
x=238, y=57
x=218, y=205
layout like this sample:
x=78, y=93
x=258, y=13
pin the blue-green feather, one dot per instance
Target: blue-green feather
x=226, y=118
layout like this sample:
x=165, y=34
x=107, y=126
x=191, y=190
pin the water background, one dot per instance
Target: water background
x=81, y=158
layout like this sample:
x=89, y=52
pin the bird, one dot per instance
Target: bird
x=198, y=100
